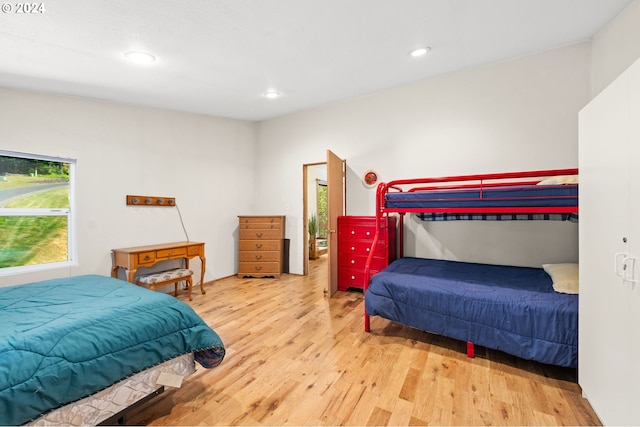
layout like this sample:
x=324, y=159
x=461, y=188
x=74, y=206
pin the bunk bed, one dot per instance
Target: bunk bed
x=76, y=350
x=518, y=310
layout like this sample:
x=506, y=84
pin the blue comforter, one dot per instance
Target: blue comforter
x=64, y=339
x=509, y=196
x=512, y=309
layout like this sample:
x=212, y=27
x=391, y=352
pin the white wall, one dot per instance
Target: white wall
x=206, y=163
x=615, y=47
x=515, y=115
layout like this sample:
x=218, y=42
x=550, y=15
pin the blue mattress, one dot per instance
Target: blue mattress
x=512, y=309
x=505, y=196
x=65, y=339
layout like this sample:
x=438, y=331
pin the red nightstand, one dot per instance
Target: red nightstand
x=355, y=236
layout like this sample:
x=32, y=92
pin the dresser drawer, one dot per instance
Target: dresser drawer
x=260, y=245
x=259, y=234
x=259, y=268
x=147, y=257
x=171, y=253
x=261, y=221
x=349, y=232
x=359, y=262
x=352, y=278
x=259, y=256
x=358, y=221
x=359, y=247
x=195, y=250
x=260, y=225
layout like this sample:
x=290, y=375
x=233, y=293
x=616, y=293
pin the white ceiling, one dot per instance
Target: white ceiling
x=218, y=57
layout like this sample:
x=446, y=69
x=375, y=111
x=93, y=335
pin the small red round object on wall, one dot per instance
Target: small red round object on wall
x=370, y=178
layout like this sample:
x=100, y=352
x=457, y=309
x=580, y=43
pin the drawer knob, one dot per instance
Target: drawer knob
x=368, y=249
x=353, y=261
x=259, y=234
x=147, y=257
x=353, y=248
x=368, y=233
x=353, y=232
x=353, y=277
x=258, y=245
x=258, y=267
x=258, y=256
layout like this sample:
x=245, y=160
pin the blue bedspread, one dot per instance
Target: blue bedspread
x=508, y=196
x=64, y=339
x=512, y=309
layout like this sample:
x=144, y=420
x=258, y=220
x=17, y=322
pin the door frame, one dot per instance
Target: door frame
x=305, y=214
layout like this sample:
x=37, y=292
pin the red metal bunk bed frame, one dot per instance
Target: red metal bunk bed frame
x=457, y=182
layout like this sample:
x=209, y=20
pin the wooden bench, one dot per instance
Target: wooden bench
x=176, y=275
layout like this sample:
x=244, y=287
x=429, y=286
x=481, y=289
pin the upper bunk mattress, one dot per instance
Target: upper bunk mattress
x=513, y=309
x=503, y=196
x=64, y=339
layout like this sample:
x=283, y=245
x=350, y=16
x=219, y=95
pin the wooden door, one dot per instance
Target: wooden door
x=336, y=207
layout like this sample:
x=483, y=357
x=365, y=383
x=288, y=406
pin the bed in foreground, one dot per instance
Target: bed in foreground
x=63, y=340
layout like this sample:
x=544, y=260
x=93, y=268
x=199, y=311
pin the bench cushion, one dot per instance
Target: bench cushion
x=164, y=276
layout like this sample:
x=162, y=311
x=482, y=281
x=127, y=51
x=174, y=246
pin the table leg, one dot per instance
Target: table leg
x=130, y=275
x=204, y=264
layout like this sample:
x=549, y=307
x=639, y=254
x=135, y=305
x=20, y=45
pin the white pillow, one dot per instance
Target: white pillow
x=564, y=276
x=559, y=179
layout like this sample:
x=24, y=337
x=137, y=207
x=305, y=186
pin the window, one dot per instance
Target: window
x=36, y=211
x=322, y=209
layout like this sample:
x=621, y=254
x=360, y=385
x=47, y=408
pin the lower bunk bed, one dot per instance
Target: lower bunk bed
x=518, y=310
x=507, y=308
x=78, y=350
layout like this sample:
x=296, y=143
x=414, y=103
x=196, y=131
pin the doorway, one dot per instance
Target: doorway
x=316, y=176
x=315, y=210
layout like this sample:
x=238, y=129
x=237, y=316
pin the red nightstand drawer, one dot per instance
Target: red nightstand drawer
x=351, y=278
x=360, y=261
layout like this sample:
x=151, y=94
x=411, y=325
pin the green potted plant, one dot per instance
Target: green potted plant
x=313, y=225
x=313, y=231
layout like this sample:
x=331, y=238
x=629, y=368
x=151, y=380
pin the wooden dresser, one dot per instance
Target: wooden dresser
x=355, y=236
x=261, y=246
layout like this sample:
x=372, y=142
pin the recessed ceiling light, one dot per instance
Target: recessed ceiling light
x=138, y=57
x=271, y=94
x=420, y=51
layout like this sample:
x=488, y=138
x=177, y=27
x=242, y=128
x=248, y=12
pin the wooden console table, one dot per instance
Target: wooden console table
x=146, y=256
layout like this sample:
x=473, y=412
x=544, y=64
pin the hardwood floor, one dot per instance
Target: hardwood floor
x=297, y=357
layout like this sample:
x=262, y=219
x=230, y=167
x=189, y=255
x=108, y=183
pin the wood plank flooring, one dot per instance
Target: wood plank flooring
x=297, y=357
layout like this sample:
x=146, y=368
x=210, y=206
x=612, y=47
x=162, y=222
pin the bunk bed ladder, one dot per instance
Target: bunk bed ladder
x=376, y=246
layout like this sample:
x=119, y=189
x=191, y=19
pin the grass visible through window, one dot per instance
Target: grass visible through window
x=28, y=240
